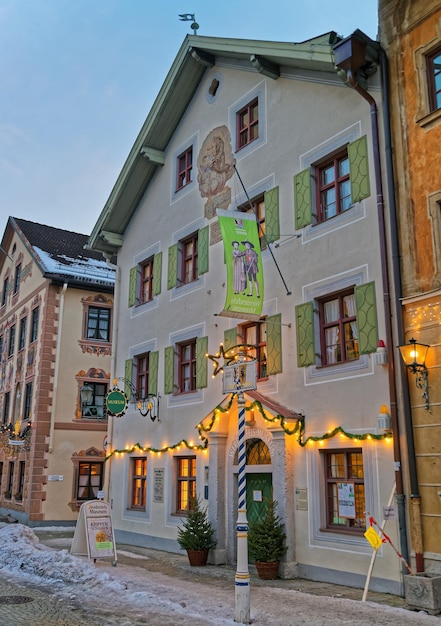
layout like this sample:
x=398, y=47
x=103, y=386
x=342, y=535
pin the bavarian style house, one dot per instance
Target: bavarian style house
x=274, y=129
x=56, y=317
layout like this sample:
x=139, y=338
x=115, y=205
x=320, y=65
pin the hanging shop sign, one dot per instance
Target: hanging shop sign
x=116, y=402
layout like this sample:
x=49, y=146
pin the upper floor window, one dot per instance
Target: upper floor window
x=94, y=407
x=98, y=323
x=247, y=124
x=434, y=77
x=189, y=259
x=17, y=278
x=138, y=475
x=186, y=482
x=345, y=492
x=5, y=291
x=257, y=208
x=187, y=366
x=6, y=405
x=333, y=187
x=22, y=335
x=11, y=340
x=146, y=282
x=254, y=334
x=338, y=328
x=184, y=168
x=34, y=324
x=142, y=375
x=28, y=401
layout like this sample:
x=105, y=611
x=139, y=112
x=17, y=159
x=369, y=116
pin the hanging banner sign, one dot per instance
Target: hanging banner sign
x=245, y=289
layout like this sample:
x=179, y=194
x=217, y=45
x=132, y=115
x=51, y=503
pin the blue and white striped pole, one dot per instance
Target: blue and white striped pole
x=242, y=580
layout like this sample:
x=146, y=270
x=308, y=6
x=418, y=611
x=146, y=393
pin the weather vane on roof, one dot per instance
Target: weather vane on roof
x=190, y=17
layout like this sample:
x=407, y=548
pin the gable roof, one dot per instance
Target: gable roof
x=61, y=256
x=196, y=54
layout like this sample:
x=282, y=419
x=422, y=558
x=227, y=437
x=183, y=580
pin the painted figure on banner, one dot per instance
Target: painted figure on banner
x=239, y=276
x=251, y=267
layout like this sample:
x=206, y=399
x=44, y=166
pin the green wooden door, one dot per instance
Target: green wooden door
x=259, y=489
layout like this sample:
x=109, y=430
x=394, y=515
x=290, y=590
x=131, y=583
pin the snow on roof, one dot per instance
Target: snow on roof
x=82, y=268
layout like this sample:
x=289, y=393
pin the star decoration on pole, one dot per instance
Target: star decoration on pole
x=228, y=356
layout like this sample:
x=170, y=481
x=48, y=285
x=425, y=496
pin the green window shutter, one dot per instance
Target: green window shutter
x=365, y=303
x=359, y=169
x=172, y=276
x=157, y=273
x=132, y=285
x=153, y=373
x=230, y=338
x=305, y=334
x=169, y=369
x=302, y=199
x=272, y=215
x=274, y=344
x=203, y=250
x=201, y=362
x=128, y=374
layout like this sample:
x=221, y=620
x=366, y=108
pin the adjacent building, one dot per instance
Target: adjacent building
x=56, y=316
x=283, y=131
x=411, y=36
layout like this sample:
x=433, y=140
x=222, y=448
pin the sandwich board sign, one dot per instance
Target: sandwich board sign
x=93, y=536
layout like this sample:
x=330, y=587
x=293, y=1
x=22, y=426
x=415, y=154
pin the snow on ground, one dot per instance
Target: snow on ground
x=132, y=595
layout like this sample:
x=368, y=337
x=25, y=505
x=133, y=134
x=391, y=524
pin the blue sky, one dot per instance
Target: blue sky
x=79, y=77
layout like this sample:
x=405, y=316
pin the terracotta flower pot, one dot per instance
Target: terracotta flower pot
x=198, y=558
x=267, y=571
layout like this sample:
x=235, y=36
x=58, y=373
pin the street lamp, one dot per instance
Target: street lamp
x=86, y=394
x=414, y=357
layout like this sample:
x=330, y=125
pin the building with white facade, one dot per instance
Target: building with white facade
x=269, y=128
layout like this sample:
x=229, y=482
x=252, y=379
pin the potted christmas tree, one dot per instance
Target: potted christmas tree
x=197, y=535
x=266, y=542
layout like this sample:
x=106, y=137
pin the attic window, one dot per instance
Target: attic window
x=213, y=87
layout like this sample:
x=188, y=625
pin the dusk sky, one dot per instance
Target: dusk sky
x=80, y=76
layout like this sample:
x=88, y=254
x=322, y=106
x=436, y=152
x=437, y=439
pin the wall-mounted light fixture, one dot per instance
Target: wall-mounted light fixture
x=86, y=394
x=384, y=420
x=414, y=357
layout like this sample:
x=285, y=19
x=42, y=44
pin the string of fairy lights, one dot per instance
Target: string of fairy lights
x=208, y=423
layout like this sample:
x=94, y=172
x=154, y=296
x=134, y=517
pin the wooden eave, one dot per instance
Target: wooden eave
x=196, y=54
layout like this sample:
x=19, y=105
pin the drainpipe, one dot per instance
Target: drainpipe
x=56, y=369
x=350, y=56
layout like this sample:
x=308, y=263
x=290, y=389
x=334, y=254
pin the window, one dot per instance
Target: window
x=34, y=324
x=255, y=334
x=434, y=75
x=95, y=408
x=11, y=341
x=247, y=124
x=90, y=480
x=338, y=328
x=142, y=375
x=28, y=401
x=257, y=207
x=187, y=366
x=10, y=483
x=332, y=183
x=1, y=346
x=184, y=168
x=22, y=335
x=17, y=278
x=186, y=482
x=98, y=324
x=5, y=291
x=21, y=479
x=333, y=187
x=6, y=405
x=139, y=483
x=189, y=259
x=344, y=474
x=146, y=282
